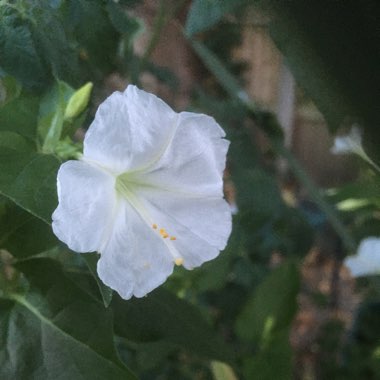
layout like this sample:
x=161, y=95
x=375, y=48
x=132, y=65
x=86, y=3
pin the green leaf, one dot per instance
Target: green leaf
x=15, y=141
x=272, y=305
x=204, y=14
x=9, y=89
x=363, y=190
x=56, y=330
x=91, y=260
x=21, y=233
x=274, y=361
x=94, y=34
x=162, y=316
x=19, y=56
x=51, y=40
x=20, y=116
x=29, y=179
x=122, y=21
x=150, y=355
x=222, y=371
x=51, y=115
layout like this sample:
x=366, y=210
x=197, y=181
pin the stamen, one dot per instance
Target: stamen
x=178, y=261
x=122, y=187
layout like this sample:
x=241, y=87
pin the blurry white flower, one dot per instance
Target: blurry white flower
x=367, y=260
x=351, y=143
x=147, y=193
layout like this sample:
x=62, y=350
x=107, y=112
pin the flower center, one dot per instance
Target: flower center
x=123, y=187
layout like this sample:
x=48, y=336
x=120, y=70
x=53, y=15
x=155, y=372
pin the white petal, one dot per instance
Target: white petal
x=351, y=143
x=193, y=163
x=86, y=198
x=367, y=260
x=130, y=130
x=135, y=260
x=201, y=226
x=208, y=218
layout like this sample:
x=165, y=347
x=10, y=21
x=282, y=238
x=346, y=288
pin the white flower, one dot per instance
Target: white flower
x=351, y=143
x=147, y=193
x=367, y=260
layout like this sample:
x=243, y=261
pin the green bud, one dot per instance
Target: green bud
x=78, y=101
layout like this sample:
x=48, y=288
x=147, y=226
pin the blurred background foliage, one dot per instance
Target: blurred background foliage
x=278, y=302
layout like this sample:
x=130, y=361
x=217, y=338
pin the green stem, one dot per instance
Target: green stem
x=315, y=194
x=372, y=163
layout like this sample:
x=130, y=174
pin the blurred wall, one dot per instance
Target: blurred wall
x=270, y=84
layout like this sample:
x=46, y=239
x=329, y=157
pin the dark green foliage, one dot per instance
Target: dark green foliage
x=69, y=335
x=271, y=307
x=20, y=116
x=29, y=179
x=91, y=260
x=179, y=323
x=73, y=40
x=21, y=233
x=265, y=321
x=19, y=56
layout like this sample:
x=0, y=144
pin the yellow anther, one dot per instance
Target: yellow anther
x=178, y=261
x=154, y=226
x=165, y=235
x=173, y=238
x=162, y=231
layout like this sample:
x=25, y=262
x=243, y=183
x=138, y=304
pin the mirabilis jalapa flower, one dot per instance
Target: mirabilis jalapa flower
x=366, y=262
x=147, y=192
x=352, y=143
